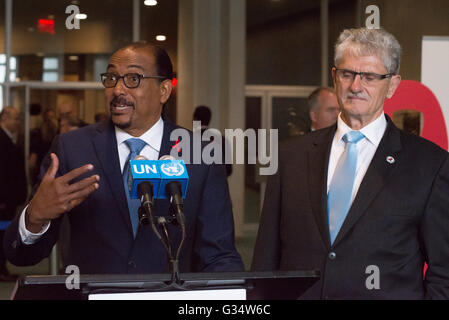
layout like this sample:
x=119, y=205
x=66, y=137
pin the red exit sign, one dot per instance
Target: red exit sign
x=46, y=26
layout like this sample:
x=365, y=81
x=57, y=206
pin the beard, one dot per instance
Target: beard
x=117, y=104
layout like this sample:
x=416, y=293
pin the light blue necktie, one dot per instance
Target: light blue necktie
x=135, y=146
x=340, y=189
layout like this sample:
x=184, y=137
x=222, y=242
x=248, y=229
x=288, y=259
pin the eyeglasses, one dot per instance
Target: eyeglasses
x=367, y=78
x=131, y=80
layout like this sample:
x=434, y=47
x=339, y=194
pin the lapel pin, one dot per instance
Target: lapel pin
x=390, y=160
x=176, y=145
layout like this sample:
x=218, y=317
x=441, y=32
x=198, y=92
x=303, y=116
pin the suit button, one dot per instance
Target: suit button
x=14, y=244
x=131, y=264
x=332, y=255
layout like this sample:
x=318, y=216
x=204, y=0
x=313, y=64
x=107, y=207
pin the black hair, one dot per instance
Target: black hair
x=203, y=114
x=164, y=66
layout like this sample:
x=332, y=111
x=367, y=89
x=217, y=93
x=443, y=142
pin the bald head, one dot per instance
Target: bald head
x=9, y=119
x=67, y=109
x=324, y=108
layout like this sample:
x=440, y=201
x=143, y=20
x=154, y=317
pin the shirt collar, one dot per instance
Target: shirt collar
x=152, y=137
x=373, y=132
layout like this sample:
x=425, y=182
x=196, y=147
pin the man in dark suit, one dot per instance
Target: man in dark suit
x=83, y=178
x=13, y=188
x=362, y=201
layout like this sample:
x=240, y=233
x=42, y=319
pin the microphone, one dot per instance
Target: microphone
x=162, y=174
x=174, y=181
x=144, y=185
x=166, y=178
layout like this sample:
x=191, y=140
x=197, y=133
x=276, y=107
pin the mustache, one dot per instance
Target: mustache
x=356, y=95
x=121, y=101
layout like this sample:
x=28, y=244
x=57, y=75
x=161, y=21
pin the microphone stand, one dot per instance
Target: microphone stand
x=174, y=189
x=173, y=261
x=146, y=217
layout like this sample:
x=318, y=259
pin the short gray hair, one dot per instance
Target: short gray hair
x=365, y=42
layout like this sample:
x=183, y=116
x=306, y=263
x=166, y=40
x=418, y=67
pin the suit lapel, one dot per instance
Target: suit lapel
x=166, y=144
x=318, y=161
x=105, y=143
x=375, y=178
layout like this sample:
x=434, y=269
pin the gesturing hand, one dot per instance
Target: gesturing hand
x=56, y=195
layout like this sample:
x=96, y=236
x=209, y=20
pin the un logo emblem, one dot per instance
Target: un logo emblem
x=172, y=169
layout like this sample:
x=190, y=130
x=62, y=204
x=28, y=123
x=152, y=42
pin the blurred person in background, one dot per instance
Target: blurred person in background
x=324, y=108
x=67, y=109
x=100, y=116
x=203, y=114
x=40, y=141
x=13, y=187
x=68, y=123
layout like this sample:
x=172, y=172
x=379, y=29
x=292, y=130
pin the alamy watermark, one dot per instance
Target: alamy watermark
x=373, y=280
x=373, y=20
x=260, y=150
x=73, y=280
x=72, y=22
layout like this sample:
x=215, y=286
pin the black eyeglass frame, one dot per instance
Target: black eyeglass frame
x=118, y=77
x=363, y=74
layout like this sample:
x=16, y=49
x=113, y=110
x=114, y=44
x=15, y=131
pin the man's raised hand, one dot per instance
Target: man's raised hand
x=56, y=195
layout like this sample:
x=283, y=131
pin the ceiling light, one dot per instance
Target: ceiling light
x=161, y=38
x=73, y=58
x=150, y=2
x=81, y=16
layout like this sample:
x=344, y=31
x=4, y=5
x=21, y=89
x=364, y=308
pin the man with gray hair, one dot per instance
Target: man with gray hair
x=369, y=203
x=324, y=108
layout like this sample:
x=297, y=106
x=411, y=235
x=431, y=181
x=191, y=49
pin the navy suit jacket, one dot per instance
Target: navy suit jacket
x=398, y=220
x=101, y=237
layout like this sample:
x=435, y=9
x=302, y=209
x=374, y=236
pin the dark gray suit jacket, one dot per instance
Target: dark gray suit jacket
x=398, y=221
x=101, y=234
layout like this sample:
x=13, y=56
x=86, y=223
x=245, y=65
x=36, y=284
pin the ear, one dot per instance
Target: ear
x=165, y=89
x=394, y=84
x=312, y=116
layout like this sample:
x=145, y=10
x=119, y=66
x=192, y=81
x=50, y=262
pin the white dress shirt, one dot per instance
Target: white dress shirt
x=153, y=139
x=366, y=148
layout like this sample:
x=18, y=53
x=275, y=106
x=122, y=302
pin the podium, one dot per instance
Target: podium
x=277, y=285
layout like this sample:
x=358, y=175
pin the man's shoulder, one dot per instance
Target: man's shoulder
x=421, y=147
x=305, y=141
